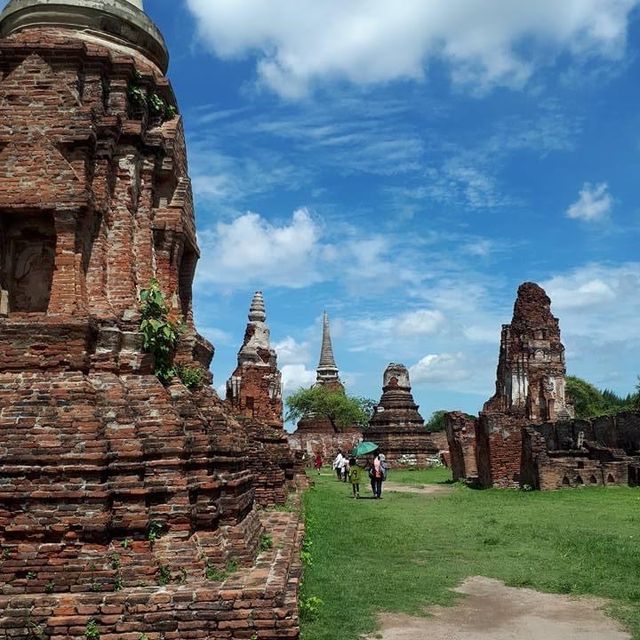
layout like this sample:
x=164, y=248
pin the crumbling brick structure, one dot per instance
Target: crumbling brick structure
x=315, y=434
x=124, y=504
x=254, y=393
x=396, y=425
x=598, y=452
x=461, y=438
x=525, y=434
x=530, y=387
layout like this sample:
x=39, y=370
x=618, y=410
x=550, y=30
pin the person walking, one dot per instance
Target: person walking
x=345, y=469
x=337, y=465
x=377, y=473
x=317, y=462
x=354, y=477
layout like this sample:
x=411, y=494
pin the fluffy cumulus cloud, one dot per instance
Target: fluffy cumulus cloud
x=485, y=42
x=594, y=203
x=439, y=368
x=293, y=360
x=253, y=249
x=599, y=304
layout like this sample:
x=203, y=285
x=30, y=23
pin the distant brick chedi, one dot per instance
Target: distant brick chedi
x=315, y=434
x=397, y=427
x=526, y=434
x=126, y=507
x=254, y=392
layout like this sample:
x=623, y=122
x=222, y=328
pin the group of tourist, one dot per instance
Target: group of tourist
x=348, y=469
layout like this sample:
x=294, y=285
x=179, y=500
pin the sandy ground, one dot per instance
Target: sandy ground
x=424, y=489
x=493, y=611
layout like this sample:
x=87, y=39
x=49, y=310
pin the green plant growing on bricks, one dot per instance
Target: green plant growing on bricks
x=160, y=334
x=91, y=631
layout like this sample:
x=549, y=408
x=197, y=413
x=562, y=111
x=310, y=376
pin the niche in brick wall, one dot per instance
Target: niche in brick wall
x=186, y=273
x=27, y=260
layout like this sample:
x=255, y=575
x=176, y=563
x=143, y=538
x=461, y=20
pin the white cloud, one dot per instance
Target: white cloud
x=598, y=291
x=290, y=351
x=299, y=42
x=252, y=249
x=421, y=322
x=594, y=203
x=295, y=376
x=440, y=368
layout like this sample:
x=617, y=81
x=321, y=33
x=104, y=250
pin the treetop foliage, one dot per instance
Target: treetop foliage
x=341, y=410
x=589, y=401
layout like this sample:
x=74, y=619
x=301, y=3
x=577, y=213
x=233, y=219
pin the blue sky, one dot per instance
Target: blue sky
x=406, y=166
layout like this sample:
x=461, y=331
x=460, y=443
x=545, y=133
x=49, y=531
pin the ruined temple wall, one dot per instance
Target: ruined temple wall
x=601, y=451
x=404, y=447
x=499, y=450
x=461, y=441
x=310, y=443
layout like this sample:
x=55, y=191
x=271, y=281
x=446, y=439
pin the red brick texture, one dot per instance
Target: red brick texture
x=122, y=501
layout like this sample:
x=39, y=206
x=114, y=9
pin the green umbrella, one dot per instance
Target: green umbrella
x=363, y=448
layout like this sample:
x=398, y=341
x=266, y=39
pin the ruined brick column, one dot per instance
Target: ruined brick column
x=114, y=487
x=530, y=387
x=397, y=427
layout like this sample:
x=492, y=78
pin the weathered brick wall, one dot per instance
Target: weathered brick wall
x=309, y=444
x=461, y=439
x=404, y=447
x=96, y=456
x=602, y=451
x=499, y=450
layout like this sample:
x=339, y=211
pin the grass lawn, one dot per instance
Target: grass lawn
x=407, y=550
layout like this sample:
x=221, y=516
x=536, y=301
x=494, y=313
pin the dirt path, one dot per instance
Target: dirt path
x=424, y=489
x=493, y=611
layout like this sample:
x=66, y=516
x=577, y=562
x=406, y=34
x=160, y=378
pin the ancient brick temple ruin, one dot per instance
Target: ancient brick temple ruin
x=126, y=507
x=526, y=433
x=397, y=427
x=254, y=392
x=315, y=434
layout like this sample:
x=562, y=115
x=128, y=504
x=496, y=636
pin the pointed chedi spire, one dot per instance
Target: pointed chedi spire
x=255, y=387
x=327, y=371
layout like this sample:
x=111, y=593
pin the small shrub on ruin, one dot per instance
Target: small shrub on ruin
x=155, y=531
x=126, y=543
x=163, y=575
x=191, y=377
x=91, y=631
x=266, y=542
x=114, y=559
x=49, y=587
x=160, y=334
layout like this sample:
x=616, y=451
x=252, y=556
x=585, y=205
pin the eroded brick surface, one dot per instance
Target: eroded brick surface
x=121, y=501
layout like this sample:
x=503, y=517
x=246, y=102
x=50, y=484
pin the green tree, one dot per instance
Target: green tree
x=436, y=421
x=341, y=410
x=589, y=401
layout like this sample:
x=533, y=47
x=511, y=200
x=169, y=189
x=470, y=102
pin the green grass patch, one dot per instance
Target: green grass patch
x=407, y=551
x=434, y=475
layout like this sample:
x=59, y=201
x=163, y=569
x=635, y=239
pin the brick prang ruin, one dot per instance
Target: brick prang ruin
x=526, y=434
x=125, y=506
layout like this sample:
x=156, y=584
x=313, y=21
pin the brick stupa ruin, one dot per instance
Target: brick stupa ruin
x=124, y=503
x=526, y=433
x=254, y=392
x=316, y=434
x=396, y=425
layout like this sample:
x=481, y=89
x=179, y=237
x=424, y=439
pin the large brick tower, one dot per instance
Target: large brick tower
x=113, y=487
